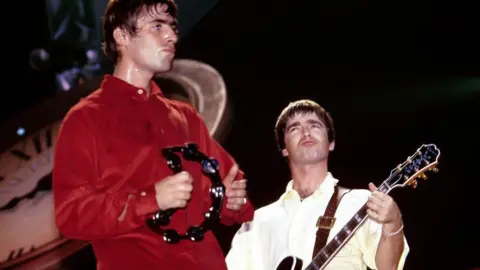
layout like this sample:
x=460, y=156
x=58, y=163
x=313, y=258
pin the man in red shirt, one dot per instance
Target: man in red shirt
x=110, y=176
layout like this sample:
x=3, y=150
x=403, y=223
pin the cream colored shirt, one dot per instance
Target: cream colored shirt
x=287, y=228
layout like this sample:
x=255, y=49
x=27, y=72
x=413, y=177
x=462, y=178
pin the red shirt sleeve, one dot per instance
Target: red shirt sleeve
x=81, y=211
x=213, y=148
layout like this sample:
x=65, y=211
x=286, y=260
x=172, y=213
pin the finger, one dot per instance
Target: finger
x=239, y=184
x=236, y=203
x=380, y=215
x=375, y=199
x=373, y=215
x=374, y=190
x=238, y=193
x=239, y=201
x=380, y=195
x=228, y=180
x=184, y=187
x=373, y=206
x=384, y=197
x=372, y=187
x=183, y=196
x=233, y=206
x=182, y=177
x=377, y=192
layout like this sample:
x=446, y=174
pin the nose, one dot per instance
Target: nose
x=171, y=35
x=306, y=131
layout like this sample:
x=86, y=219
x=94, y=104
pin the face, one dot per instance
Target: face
x=152, y=49
x=306, y=139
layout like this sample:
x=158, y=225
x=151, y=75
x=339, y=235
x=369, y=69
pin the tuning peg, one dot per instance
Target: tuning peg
x=423, y=176
x=434, y=169
x=413, y=183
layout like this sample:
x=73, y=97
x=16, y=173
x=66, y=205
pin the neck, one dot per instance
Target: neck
x=308, y=177
x=133, y=75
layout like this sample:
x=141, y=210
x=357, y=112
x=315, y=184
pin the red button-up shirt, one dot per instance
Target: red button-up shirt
x=107, y=160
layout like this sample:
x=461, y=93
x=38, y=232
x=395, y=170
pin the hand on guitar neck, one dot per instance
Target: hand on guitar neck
x=384, y=210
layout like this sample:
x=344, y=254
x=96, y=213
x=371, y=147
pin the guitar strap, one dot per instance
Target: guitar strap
x=325, y=222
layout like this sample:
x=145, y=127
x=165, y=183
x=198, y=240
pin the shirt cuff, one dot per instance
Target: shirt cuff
x=230, y=217
x=146, y=202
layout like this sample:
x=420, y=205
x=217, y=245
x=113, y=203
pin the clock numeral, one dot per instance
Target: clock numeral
x=15, y=254
x=37, y=143
x=37, y=140
x=48, y=137
x=20, y=154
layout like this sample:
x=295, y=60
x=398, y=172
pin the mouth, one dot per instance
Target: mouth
x=169, y=50
x=308, y=142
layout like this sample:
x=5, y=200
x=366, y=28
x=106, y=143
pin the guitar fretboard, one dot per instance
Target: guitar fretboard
x=345, y=234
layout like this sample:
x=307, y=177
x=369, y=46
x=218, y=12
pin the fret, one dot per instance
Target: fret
x=344, y=232
x=357, y=218
x=384, y=188
x=321, y=258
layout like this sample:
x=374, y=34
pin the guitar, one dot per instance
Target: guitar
x=406, y=174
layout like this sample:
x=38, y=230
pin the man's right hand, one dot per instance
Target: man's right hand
x=174, y=191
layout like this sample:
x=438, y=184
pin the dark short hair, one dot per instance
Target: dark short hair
x=303, y=106
x=124, y=14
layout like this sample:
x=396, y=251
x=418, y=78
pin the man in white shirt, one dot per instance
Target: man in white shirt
x=288, y=227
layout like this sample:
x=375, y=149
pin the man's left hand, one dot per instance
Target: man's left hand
x=382, y=208
x=236, y=190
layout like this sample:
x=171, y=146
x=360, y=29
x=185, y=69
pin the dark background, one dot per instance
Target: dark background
x=393, y=74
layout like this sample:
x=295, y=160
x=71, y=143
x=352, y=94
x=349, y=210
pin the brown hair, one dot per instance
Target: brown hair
x=124, y=14
x=303, y=106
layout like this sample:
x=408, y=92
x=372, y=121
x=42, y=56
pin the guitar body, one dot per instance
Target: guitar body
x=290, y=263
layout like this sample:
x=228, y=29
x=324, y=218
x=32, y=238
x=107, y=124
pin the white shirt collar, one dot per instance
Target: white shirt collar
x=327, y=185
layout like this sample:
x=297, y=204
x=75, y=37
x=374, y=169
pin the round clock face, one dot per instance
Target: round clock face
x=28, y=233
x=27, y=220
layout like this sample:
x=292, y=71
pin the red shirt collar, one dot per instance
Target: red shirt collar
x=120, y=87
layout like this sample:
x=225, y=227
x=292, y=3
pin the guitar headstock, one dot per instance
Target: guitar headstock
x=423, y=160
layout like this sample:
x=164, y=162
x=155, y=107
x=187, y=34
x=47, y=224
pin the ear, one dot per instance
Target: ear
x=120, y=36
x=331, y=146
x=284, y=152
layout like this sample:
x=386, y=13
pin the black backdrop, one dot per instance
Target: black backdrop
x=367, y=62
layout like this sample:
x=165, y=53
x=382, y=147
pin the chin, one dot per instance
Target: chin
x=164, y=68
x=311, y=157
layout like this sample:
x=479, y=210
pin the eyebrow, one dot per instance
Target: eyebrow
x=159, y=21
x=309, y=121
x=170, y=22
